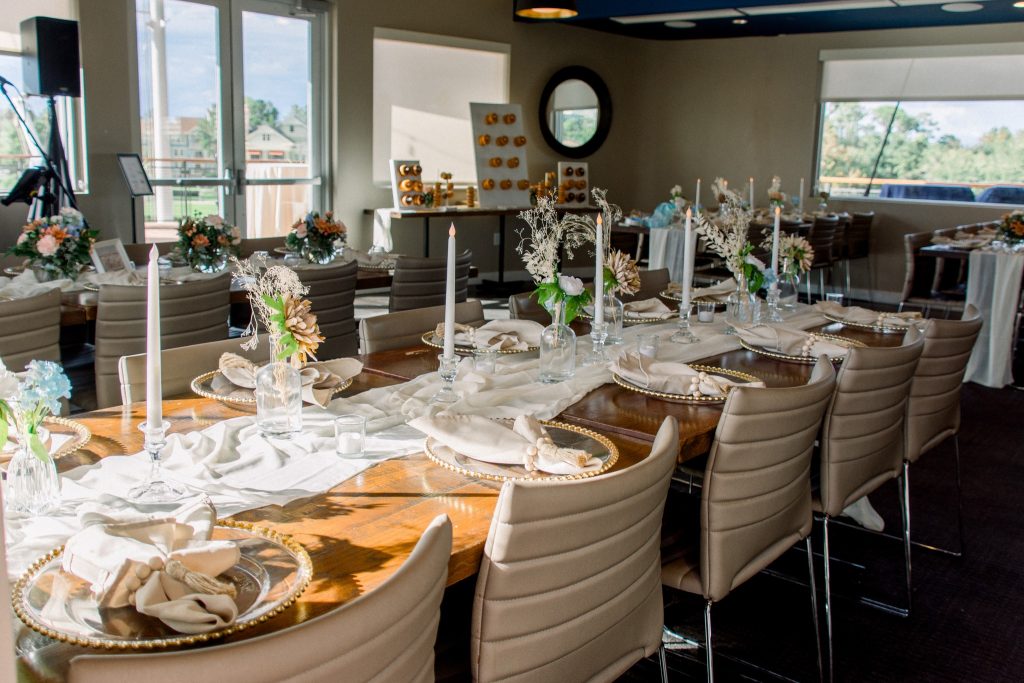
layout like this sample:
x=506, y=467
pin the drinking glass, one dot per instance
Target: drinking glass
x=484, y=360
x=834, y=297
x=350, y=435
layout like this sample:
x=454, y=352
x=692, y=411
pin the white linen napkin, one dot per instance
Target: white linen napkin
x=866, y=316
x=719, y=292
x=781, y=339
x=377, y=259
x=653, y=309
x=319, y=379
x=114, y=277
x=527, y=443
x=165, y=566
x=508, y=335
x=672, y=377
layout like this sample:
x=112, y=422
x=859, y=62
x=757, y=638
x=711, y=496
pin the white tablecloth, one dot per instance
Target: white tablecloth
x=667, y=249
x=993, y=286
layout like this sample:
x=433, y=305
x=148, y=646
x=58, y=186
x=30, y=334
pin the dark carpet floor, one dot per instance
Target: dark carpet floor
x=967, y=622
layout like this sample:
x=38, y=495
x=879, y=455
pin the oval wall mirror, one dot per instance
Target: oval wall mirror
x=575, y=112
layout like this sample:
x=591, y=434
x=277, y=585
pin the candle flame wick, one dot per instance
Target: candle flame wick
x=599, y=220
x=451, y=230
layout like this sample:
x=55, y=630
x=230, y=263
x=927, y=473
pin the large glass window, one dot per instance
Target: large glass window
x=422, y=87
x=920, y=124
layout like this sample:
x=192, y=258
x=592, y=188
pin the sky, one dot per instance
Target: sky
x=970, y=120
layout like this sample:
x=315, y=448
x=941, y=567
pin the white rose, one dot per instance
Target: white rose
x=214, y=219
x=572, y=286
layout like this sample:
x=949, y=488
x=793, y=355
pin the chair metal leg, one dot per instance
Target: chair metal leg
x=663, y=663
x=846, y=271
x=707, y=641
x=808, y=287
x=905, y=489
x=821, y=283
x=828, y=599
x=814, y=607
x=959, y=496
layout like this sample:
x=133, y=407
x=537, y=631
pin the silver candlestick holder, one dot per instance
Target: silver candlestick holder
x=684, y=335
x=155, y=489
x=447, y=369
x=598, y=337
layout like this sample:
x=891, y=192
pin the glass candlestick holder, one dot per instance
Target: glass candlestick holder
x=598, y=337
x=773, y=298
x=684, y=335
x=447, y=369
x=155, y=489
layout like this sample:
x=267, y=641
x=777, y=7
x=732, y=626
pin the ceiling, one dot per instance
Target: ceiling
x=739, y=18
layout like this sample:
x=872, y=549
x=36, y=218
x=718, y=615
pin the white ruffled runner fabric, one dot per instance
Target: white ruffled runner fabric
x=25, y=284
x=866, y=316
x=718, y=293
x=496, y=335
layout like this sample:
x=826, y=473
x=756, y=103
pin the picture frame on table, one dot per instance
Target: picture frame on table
x=109, y=256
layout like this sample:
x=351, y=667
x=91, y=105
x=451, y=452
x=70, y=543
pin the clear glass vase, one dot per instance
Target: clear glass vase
x=209, y=262
x=613, y=316
x=33, y=487
x=557, y=349
x=742, y=307
x=789, y=286
x=278, y=395
x=319, y=255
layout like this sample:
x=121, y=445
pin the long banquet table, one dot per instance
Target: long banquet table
x=362, y=530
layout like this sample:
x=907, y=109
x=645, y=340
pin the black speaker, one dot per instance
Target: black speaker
x=50, y=56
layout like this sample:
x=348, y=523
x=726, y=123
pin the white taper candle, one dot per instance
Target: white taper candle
x=751, y=193
x=800, y=206
x=599, y=272
x=775, y=246
x=688, y=255
x=449, y=298
x=154, y=384
x=696, y=202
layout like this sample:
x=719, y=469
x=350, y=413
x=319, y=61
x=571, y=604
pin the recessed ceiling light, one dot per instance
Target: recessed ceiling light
x=680, y=24
x=739, y=21
x=962, y=7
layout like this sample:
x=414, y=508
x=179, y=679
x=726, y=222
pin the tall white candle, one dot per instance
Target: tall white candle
x=696, y=202
x=800, y=206
x=449, y=298
x=775, y=244
x=599, y=272
x=154, y=385
x=688, y=255
x=751, y=193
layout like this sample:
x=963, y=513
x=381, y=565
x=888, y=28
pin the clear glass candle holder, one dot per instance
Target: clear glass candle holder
x=647, y=345
x=484, y=360
x=350, y=435
x=705, y=312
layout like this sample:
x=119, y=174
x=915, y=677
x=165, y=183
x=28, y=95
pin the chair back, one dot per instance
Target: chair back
x=138, y=253
x=570, y=582
x=387, y=634
x=652, y=283
x=822, y=237
x=859, y=235
x=524, y=306
x=332, y=290
x=756, y=500
x=420, y=282
x=405, y=328
x=861, y=443
x=933, y=409
x=30, y=330
x=920, y=273
x=190, y=313
x=179, y=366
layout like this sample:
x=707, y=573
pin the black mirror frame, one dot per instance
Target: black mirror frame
x=604, y=103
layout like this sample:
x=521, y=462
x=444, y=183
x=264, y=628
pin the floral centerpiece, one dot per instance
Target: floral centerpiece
x=796, y=253
x=1012, y=227
x=25, y=400
x=277, y=298
x=776, y=197
x=57, y=246
x=676, y=193
x=621, y=275
x=207, y=242
x=316, y=237
x=726, y=235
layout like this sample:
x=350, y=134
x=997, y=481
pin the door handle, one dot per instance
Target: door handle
x=229, y=187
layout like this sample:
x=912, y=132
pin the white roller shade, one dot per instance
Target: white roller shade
x=989, y=72
x=14, y=11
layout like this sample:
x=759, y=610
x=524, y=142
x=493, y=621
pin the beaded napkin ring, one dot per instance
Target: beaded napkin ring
x=201, y=583
x=546, y=447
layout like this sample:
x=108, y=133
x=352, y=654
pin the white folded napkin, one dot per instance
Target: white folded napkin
x=654, y=309
x=165, y=566
x=377, y=259
x=781, y=339
x=508, y=335
x=672, y=377
x=865, y=316
x=527, y=443
x=963, y=240
x=719, y=292
x=25, y=284
x=319, y=379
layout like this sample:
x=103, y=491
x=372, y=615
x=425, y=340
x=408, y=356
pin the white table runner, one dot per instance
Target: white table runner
x=994, y=286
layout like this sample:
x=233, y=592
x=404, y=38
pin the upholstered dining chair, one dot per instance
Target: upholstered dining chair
x=568, y=586
x=822, y=239
x=30, y=330
x=179, y=366
x=756, y=498
x=861, y=445
x=332, y=290
x=524, y=306
x=921, y=275
x=405, y=328
x=858, y=243
x=652, y=282
x=249, y=246
x=420, y=282
x=387, y=634
x=190, y=313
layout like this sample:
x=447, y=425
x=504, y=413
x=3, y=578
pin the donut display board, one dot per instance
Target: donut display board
x=573, y=184
x=407, y=184
x=500, y=151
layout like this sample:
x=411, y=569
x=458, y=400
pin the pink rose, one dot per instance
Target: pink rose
x=300, y=231
x=47, y=245
x=22, y=237
x=214, y=220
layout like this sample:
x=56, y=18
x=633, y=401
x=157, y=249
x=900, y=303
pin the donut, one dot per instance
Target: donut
x=495, y=162
x=506, y=184
x=483, y=139
x=524, y=184
x=519, y=140
x=491, y=118
x=501, y=140
x=568, y=170
x=513, y=162
x=509, y=118
x=487, y=184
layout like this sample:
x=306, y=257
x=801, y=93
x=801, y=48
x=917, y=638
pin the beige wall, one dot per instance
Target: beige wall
x=682, y=110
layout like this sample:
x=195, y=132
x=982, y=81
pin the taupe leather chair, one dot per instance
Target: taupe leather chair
x=822, y=238
x=862, y=443
x=420, y=282
x=756, y=499
x=30, y=330
x=921, y=277
x=385, y=635
x=568, y=586
x=652, y=282
x=525, y=307
x=933, y=409
x=405, y=328
x=267, y=244
x=179, y=366
x=190, y=313
x=139, y=253
x=332, y=290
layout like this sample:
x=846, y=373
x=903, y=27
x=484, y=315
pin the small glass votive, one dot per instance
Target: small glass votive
x=484, y=360
x=647, y=345
x=835, y=297
x=292, y=260
x=705, y=311
x=350, y=435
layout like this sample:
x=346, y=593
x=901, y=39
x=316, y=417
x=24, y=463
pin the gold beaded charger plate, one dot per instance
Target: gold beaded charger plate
x=808, y=360
x=733, y=375
x=241, y=398
x=433, y=341
x=273, y=571
x=882, y=329
x=77, y=436
x=565, y=435
x=630, y=320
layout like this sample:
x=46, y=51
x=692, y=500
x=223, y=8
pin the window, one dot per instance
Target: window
x=17, y=152
x=422, y=87
x=935, y=123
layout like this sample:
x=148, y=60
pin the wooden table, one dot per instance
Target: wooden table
x=362, y=530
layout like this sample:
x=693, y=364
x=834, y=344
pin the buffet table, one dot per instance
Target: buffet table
x=994, y=287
